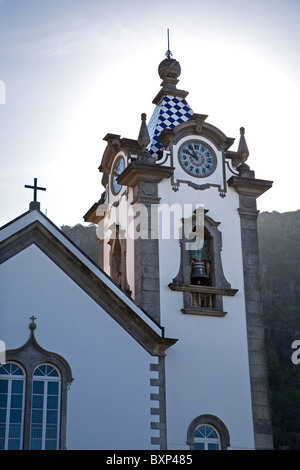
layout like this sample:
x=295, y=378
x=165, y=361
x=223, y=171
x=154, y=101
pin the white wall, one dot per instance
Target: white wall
x=109, y=400
x=207, y=370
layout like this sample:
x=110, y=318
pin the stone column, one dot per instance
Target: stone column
x=146, y=250
x=143, y=176
x=249, y=189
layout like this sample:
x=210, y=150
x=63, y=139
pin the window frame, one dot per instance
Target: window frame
x=207, y=440
x=10, y=378
x=46, y=379
x=215, y=423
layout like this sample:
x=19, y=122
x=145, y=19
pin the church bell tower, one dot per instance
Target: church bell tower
x=177, y=231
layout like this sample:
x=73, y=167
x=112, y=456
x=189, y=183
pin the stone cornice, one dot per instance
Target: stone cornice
x=203, y=289
x=136, y=172
x=249, y=186
x=91, y=215
x=206, y=312
x=167, y=90
x=36, y=233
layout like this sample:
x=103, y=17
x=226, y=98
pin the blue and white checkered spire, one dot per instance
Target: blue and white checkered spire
x=170, y=112
x=171, y=107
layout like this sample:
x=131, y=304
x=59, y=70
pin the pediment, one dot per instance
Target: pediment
x=197, y=125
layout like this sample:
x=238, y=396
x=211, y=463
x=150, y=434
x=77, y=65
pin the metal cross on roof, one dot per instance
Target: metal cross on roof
x=32, y=325
x=35, y=188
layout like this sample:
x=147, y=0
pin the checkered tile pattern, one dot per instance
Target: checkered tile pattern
x=170, y=112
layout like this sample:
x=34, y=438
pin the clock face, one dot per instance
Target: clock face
x=197, y=159
x=118, y=168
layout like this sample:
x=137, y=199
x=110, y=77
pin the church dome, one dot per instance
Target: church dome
x=169, y=68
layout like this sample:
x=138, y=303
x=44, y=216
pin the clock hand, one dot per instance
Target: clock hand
x=192, y=154
x=195, y=155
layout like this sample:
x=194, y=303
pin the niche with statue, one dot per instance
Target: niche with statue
x=200, y=276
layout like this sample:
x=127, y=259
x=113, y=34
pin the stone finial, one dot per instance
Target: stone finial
x=243, y=168
x=143, y=140
x=243, y=149
x=169, y=69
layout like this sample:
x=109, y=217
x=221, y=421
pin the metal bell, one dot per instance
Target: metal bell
x=198, y=275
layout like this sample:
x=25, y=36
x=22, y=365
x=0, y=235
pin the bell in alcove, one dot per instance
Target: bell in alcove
x=198, y=274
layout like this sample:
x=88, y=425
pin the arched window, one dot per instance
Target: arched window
x=207, y=432
x=45, y=410
x=33, y=397
x=206, y=438
x=12, y=398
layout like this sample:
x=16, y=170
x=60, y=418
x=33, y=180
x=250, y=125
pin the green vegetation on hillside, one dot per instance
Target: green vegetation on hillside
x=279, y=244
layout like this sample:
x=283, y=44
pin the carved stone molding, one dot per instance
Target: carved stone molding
x=213, y=421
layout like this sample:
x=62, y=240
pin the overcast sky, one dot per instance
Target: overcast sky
x=72, y=71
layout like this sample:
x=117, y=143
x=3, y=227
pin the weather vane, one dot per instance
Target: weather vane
x=168, y=53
